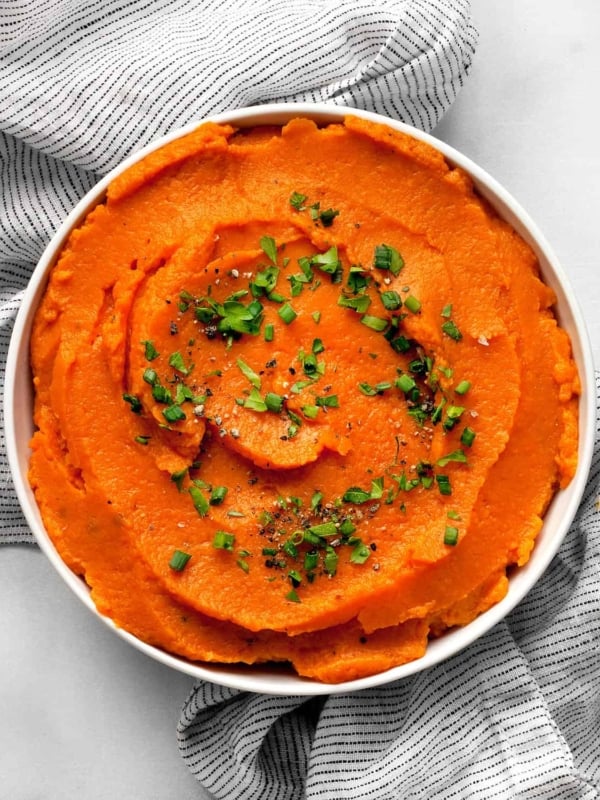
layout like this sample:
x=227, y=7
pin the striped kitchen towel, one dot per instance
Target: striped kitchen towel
x=84, y=83
x=516, y=716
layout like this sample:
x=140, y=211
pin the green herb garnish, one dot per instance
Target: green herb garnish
x=223, y=540
x=134, y=401
x=178, y=560
x=217, y=495
x=450, y=535
x=388, y=258
x=249, y=373
x=451, y=330
x=287, y=313
x=150, y=351
x=269, y=248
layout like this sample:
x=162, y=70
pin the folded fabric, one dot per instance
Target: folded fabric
x=516, y=715
x=82, y=85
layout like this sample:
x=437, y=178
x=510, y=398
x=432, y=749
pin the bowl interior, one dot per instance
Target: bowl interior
x=273, y=679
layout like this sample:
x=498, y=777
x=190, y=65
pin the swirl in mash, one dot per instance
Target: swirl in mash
x=300, y=396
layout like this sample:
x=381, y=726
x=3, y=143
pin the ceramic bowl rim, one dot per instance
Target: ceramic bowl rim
x=267, y=679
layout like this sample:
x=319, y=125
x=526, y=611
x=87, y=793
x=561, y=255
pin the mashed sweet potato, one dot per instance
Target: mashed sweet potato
x=300, y=396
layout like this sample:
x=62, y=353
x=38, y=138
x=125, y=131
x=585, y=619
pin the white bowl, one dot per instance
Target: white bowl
x=273, y=679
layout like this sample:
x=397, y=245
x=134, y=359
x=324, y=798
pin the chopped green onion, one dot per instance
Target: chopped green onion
x=328, y=401
x=328, y=216
x=371, y=391
x=178, y=560
x=297, y=283
x=455, y=412
x=451, y=330
x=177, y=478
x=173, y=413
x=463, y=387
x=400, y=344
x=273, y=402
x=269, y=332
x=356, y=495
x=310, y=412
x=447, y=311
x=287, y=313
x=269, y=248
x=150, y=376
x=418, y=414
x=223, y=540
x=254, y=401
x=367, y=389
x=142, y=439
x=360, y=553
x=150, y=351
x=276, y=297
x=391, y=300
x=376, y=489
x=316, y=315
x=443, y=482
x=358, y=302
x=388, y=258
x=309, y=363
x=134, y=401
x=265, y=282
x=304, y=264
x=358, y=280
x=456, y=455
x=315, y=500
x=405, y=383
x=311, y=560
x=249, y=373
x=330, y=561
x=292, y=596
x=199, y=500
x=375, y=323
x=290, y=548
x=317, y=346
x=328, y=261
x=450, y=535
x=176, y=361
x=297, y=200
x=161, y=394
x=467, y=437
x=297, y=386
x=324, y=529
x=295, y=577
x=294, y=418
x=217, y=495
x=412, y=304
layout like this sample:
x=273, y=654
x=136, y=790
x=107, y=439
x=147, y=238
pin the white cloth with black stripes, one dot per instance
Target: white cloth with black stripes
x=82, y=85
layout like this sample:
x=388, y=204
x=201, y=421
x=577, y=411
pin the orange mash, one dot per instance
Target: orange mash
x=300, y=397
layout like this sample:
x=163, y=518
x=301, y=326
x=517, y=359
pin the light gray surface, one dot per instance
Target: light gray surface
x=83, y=714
